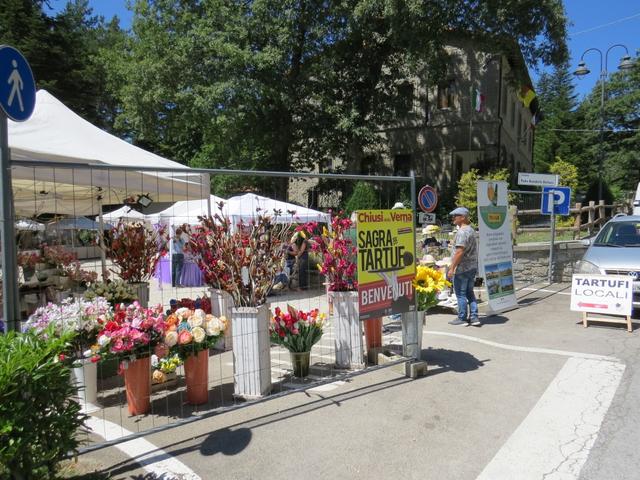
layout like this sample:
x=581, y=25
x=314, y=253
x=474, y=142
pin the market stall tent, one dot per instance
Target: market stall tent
x=248, y=206
x=55, y=135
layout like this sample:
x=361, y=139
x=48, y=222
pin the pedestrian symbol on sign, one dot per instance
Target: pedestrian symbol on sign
x=15, y=80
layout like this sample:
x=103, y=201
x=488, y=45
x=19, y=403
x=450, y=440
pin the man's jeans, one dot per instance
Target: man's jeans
x=463, y=287
x=176, y=268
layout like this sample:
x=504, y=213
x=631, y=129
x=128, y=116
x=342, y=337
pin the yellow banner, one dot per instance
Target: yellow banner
x=386, y=262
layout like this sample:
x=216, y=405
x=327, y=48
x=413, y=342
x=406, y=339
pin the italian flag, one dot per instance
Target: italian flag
x=477, y=100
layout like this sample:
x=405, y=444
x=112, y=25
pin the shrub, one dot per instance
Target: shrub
x=364, y=197
x=38, y=418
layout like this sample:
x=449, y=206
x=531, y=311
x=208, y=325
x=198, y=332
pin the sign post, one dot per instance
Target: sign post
x=17, y=101
x=555, y=201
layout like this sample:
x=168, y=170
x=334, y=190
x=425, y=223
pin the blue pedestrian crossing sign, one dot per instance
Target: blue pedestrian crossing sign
x=17, y=86
x=561, y=199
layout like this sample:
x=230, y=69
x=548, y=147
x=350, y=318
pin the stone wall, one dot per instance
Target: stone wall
x=531, y=261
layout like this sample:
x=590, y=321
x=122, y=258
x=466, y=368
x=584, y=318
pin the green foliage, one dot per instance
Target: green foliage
x=38, y=419
x=364, y=197
x=467, y=195
x=568, y=174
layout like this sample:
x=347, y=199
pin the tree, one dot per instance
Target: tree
x=554, y=136
x=290, y=84
x=364, y=197
x=567, y=172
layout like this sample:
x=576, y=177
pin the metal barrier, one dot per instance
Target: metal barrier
x=79, y=190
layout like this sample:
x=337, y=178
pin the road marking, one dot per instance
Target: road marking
x=504, y=346
x=150, y=457
x=555, y=438
x=544, y=290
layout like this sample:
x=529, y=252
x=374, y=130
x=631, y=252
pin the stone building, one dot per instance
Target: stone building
x=475, y=118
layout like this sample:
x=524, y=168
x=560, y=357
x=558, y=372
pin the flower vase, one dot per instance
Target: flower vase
x=348, y=330
x=412, y=323
x=137, y=381
x=373, y=338
x=300, y=363
x=28, y=273
x=221, y=305
x=141, y=290
x=85, y=379
x=251, y=352
x=196, y=373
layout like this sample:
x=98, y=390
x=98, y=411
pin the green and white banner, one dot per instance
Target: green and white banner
x=495, y=248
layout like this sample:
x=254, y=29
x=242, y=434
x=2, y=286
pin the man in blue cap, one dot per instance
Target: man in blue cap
x=464, y=265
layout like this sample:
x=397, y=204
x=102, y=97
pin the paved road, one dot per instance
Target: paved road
x=530, y=394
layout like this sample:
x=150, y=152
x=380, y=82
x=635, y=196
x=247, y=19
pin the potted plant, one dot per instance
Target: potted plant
x=298, y=332
x=338, y=255
x=243, y=260
x=28, y=262
x=190, y=334
x=164, y=368
x=84, y=319
x=131, y=337
x=135, y=250
x=114, y=291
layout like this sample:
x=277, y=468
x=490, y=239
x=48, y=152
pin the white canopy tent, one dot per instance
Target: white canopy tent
x=56, y=135
x=125, y=212
x=246, y=207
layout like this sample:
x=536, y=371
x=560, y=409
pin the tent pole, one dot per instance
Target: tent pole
x=103, y=254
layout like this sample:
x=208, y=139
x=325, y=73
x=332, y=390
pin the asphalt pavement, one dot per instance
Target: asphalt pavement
x=529, y=394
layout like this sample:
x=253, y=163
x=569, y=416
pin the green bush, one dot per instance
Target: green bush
x=364, y=197
x=38, y=418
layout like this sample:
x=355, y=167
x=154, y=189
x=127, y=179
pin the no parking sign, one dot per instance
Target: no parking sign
x=428, y=199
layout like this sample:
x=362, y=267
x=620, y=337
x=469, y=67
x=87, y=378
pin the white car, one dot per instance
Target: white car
x=616, y=251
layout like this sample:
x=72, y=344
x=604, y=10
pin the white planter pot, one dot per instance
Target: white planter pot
x=222, y=304
x=412, y=323
x=85, y=378
x=142, y=292
x=348, y=330
x=251, y=352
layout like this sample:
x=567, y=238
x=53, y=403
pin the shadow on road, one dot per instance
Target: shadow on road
x=450, y=361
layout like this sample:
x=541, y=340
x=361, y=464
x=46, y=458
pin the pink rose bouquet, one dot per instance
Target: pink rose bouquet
x=295, y=330
x=133, y=332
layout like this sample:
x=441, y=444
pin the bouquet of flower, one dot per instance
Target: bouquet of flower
x=136, y=249
x=203, y=302
x=242, y=260
x=295, y=330
x=84, y=318
x=190, y=331
x=58, y=256
x=428, y=282
x=114, y=291
x=338, y=254
x=163, y=366
x=133, y=331
x=29, y=260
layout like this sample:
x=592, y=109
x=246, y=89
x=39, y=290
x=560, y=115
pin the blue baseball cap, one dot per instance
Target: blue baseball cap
x=459, y=211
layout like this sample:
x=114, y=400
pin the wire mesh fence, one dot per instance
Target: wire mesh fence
x=85, y=233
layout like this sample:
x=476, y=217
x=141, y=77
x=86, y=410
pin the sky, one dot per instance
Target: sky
x=593, y=24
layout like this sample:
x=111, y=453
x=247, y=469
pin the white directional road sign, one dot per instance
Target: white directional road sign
x=538, y=179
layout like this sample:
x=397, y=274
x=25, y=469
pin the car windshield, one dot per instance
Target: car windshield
x=619, y=234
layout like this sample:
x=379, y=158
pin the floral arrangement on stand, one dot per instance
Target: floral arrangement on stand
x=427, y=283
x=133, y=332
x=190, y=331
x=57, y=256
x=337, y=252
x=114, y=291
x=240, y=259
x=136, y=248
x=85, y=319
x=295, y=330
x=203, y=302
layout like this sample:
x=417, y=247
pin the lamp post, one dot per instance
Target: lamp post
x=625, y=64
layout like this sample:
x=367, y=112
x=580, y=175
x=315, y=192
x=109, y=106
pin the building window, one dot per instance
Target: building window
x=447, y=95
x=504, y=101
x=402, y=165
x=405, y=98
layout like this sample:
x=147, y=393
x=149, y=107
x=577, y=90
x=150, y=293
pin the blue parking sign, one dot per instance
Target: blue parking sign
x=17, y=86
x=561, y=200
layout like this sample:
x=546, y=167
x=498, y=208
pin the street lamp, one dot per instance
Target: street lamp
x=625, y=64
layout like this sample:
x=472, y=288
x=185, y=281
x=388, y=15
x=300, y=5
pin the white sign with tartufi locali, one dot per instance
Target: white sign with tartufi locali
x=608, y=294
